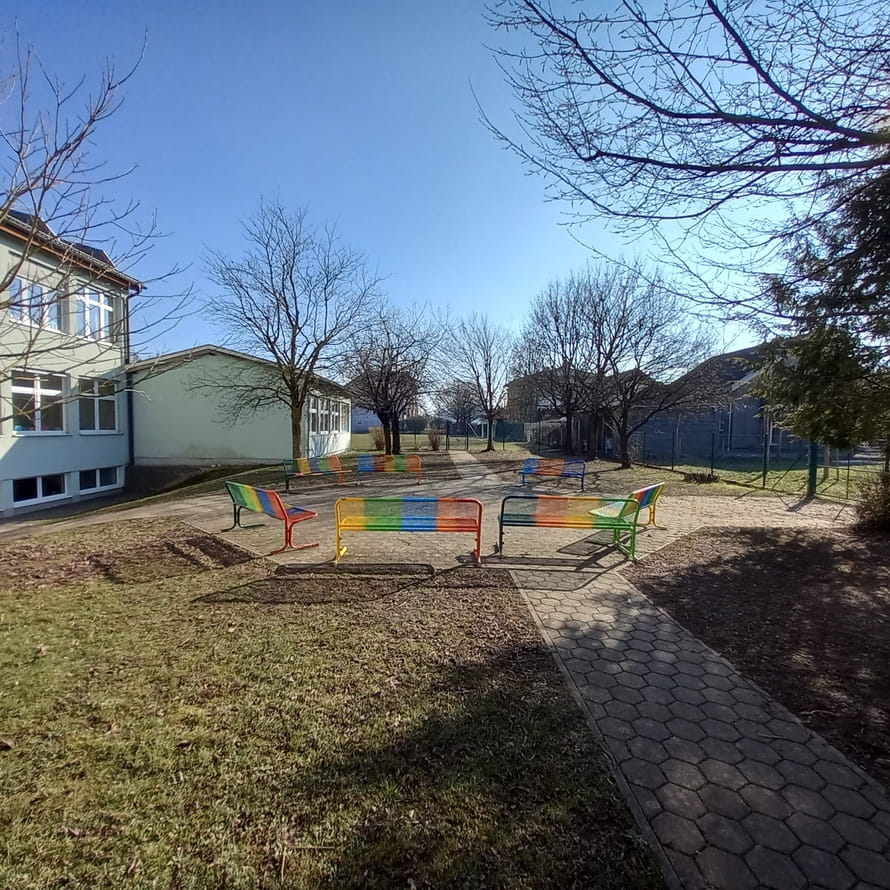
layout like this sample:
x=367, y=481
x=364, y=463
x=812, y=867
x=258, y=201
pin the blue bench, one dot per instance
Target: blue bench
x=551, y=466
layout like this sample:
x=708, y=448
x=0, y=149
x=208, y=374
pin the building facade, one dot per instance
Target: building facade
x=64, y=432
x=183, y=414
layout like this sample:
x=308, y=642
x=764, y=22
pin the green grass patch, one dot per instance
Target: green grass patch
x=175, y=716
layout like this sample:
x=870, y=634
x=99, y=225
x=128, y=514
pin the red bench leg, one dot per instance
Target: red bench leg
x=289, y=537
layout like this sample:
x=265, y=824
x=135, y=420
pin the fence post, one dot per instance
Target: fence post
x=713, y=443
x=765, y=460
x=673, y=449
x=812, y=469
x=448, y=435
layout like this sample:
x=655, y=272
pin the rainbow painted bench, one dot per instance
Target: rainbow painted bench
x=395, y=514
x=263, y=500
x=618, y=515
x=387, y=463
x=646, y=497
x=329, y=465
x=554, y=466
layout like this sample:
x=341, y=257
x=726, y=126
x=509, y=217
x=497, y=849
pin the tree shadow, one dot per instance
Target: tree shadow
x=803, y=612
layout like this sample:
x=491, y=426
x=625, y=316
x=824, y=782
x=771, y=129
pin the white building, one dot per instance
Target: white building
x=64, y=430
x=183, y=413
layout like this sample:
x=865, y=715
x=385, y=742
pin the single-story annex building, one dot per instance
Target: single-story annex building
x=186, y=412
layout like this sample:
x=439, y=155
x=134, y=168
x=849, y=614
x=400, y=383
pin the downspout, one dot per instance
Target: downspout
x=131, y=445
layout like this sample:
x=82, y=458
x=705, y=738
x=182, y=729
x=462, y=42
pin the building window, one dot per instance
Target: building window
x=97, y=405
x=344, y=417
x=37, y=402
x=106, y=477
x=94, y=311
x=32, y=303
x=38, y=488
x=313, y=414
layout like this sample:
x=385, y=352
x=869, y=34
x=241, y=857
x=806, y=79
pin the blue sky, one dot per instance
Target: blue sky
x=361, y=112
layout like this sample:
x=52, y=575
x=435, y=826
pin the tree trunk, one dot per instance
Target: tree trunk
x=592, y=434
x=624, y=449
x=296, y=426
x=569, y=440
x=826, y=467
x=396, y=436
x=490, y=444
x=386, y=423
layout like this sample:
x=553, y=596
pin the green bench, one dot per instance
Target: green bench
x=296, y=468
x=263, y=500
x=618, y=515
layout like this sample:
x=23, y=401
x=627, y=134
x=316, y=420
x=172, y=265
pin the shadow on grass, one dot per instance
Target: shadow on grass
x=804, y=613
x=498, y=785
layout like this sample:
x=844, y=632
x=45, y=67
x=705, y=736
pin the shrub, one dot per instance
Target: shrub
x=434, y=434
x=377, y=437
x=873, y=508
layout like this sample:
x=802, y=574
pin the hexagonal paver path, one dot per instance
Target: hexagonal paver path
x=735, y=791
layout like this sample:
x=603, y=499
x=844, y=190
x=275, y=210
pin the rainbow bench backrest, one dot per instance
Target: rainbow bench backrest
x=258, y=500
x=310, y=465
x=553, y=466
x=646, y=497
x=389, y=463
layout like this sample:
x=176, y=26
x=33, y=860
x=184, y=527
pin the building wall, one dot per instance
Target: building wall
x=174, y=423
x=70, y=458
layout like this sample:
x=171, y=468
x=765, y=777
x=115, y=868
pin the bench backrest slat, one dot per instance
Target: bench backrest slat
x=434, y=512
x=546, y=509
x=388, y=463
x=645, y=496
x=258, y=500
x=307, y=466
x=554, y=466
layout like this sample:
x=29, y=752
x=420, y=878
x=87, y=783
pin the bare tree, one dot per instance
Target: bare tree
x=648, y=114
x=388, y=364
x=483, y=355
x=296, y=296
x=458, y=399
x=555, y=348
x=64, y=235
x=650, y=350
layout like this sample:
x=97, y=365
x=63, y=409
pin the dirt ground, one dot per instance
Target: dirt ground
x=803, y=612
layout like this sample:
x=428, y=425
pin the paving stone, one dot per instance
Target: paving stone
x=715, y=681
x=683, y=729
x=849, y=801
x=654, y=711
x=725, y=870
x=815, y=832
x=647, y=749
x=837, y=774
x=805, y=801
x=685, y=711
x=631, y=680
x=681, y=801
x=616, y=729
x=867, y=865
x=690, y=696
x=713, y=666
x=724, y=801
x=651, y=729
x=683, y=749
x=771, y=833
x=595, y=694
x=649, y=803
x=687, y=871
x=774, y=870
x=797, y=774
x=682, y=773
x=599, y=678
x=761, y=774
x=762, y=800
x=823, y=868
x=719, y=730
x=720, y=696
x=726, y=833
x=689, y=682
x=628, y=696
x=657, y=696
x=721, y=750
x=794, y=751
x=787, y=729
x=660, y=681
x=685, y=666
x=720, y=712
x=721, y=773
x=859, y=832
x=679, y=833
x=754, y=713
x=642, y=772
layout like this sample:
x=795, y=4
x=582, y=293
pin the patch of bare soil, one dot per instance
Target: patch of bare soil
x=805, y=613
x=125, y=552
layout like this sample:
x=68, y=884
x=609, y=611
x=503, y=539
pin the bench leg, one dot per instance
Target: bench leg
x=236, y=520
x=289, y=539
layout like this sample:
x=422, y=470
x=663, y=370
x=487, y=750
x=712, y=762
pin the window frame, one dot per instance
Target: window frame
x=41, y=498
x=51, y=316
x=97, y=471
x=37, y=392
x=90, y=298
x=96, y=397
